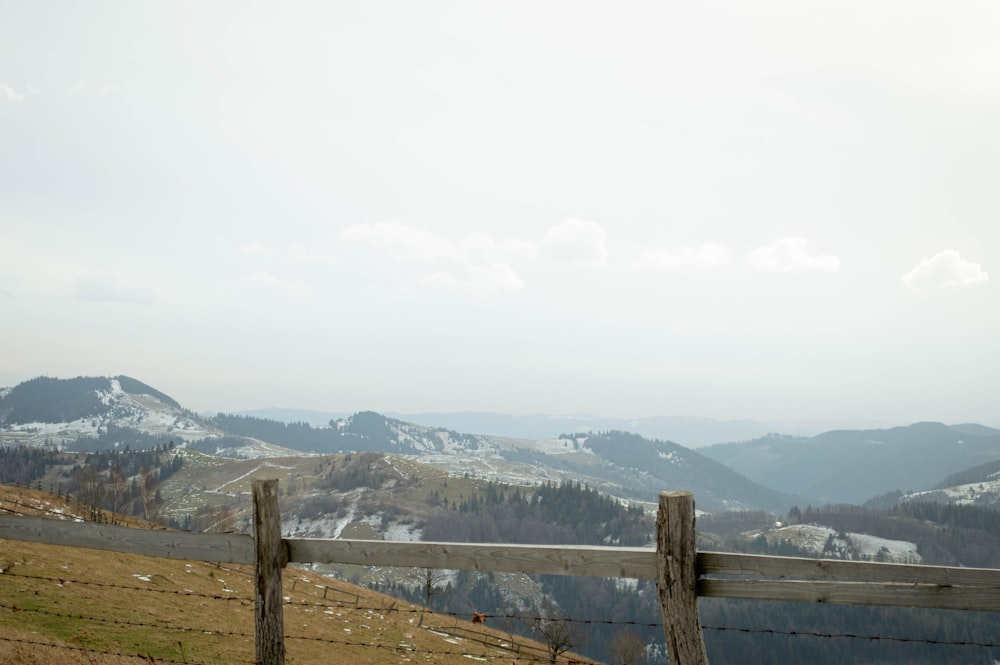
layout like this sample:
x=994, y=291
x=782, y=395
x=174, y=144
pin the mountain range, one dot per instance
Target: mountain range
x=851, y=466
x=770, y=472
x=689, y=431
x=372, y=476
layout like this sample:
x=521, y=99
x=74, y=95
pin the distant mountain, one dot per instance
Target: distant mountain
x=316, y=418
x=977, y=486
x=622, y=464
x=635, y=467
x=976, y=429
x=691, y=432
x=60, y=410
x=101, y=412
x=851, y=466
x=769, y=472
x=688, y=431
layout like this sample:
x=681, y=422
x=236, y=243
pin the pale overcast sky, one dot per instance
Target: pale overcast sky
x=778, y=209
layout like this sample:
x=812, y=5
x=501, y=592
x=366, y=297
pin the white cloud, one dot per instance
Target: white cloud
x=10, y=94
x=266, y=279
x=294, y=253
x=944, y=270
x=787, y=255
x=299, y=254
x=107, y=288
x=490, y=280
x=478, y=264
x=403, y=243
x=708, y=255
x=256, y=249
x=575, y=241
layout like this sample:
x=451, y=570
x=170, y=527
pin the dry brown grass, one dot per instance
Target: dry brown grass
x=87, y=602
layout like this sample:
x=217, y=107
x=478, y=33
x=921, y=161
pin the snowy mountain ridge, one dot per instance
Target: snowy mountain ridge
x=57, y=411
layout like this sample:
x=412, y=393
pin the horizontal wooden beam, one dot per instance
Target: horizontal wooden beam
x=800, y=579
x=222, y=547
x=856, y=593
x=627, y=562
x=744, y=565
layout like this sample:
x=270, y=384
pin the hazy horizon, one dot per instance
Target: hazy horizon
x=782, y=211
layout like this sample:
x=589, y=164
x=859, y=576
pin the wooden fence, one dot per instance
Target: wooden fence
x=681, y=573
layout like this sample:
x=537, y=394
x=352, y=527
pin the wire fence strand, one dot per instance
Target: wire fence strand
x=143, y=657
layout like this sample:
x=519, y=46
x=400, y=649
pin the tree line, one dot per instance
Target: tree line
x=552, y=513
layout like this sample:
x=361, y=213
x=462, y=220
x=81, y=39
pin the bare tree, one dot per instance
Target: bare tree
x=150, y=507
x=214, y=519
x=432, y=581
x=627, y=647
x=559, y=635
x=117, y=489
x=92, y=491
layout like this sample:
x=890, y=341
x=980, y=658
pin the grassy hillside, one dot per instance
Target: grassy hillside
x=69, y=605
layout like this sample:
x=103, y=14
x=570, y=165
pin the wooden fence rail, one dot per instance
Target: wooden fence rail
x=682, y=574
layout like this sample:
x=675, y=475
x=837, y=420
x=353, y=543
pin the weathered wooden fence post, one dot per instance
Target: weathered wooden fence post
x=270, y=558
x=677, y=578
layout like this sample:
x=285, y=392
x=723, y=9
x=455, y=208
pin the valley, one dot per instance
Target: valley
x=368, y=476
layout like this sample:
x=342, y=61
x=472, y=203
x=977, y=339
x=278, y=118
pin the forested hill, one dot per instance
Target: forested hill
x=47, y=400
x=549, y=514
x=642, y=468
x=364, y=431
x=852, y=466
x=618, y=463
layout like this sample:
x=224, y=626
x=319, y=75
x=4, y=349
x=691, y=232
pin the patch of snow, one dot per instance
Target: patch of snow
x=438, y=633
x=144, y=578
x=884, y=549
x=671, y=457
x=402, y=532
x=807, y=536
x=984, y=492
x=554, y=447
x=857, y=546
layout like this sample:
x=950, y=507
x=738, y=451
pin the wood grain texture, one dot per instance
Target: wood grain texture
x=847, y=571
x=627, y=562
x=270, y=558
x=677, y=579
x=222, y=547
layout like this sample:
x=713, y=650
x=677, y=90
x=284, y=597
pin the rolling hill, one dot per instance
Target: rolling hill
x=851, y=466
x=117, y=412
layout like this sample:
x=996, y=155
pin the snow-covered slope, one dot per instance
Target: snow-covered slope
x=828, y=543
x=983, y=493
x=59, y=411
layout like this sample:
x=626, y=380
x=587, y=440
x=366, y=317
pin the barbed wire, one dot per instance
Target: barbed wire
x=108, y=585
x=640, y=624
x=459, y=615
x=434, y=652
x=744, y=630
x=124, y=622
x=144, y=657
x=392, y=608
x=852, y=636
